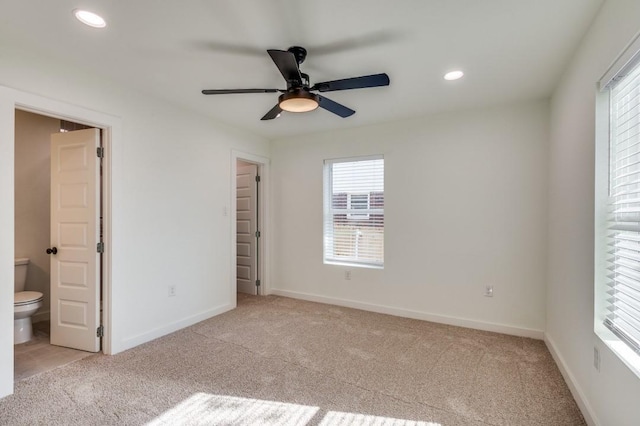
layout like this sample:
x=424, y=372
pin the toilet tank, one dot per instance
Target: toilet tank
x=20, y=275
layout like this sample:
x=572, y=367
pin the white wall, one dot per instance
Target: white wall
x=171, y=181
x=611, y=396
x=465, y=207
x=32, y=199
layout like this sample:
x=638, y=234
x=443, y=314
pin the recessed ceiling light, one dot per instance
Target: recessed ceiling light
x=90, y=18
x=453, y=75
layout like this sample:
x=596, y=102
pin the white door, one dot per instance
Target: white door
x=246, y=211
x=75, y=267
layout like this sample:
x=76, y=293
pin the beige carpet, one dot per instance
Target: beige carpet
x=279, y=361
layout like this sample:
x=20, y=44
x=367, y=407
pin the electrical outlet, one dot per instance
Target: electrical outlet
x=172, y=290
x=347, y=275
x=488, y=291
x=596, y=358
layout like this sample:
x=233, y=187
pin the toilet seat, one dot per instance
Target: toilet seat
x=22, y=298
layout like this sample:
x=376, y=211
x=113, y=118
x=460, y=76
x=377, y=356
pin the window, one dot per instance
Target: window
x=618, y=214
x=358, y=202
x=624, y=203
x=354, y=211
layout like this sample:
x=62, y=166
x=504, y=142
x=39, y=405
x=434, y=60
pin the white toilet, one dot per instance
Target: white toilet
x=25, y=304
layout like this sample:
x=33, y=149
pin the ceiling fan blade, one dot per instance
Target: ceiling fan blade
x=273, y=113
x=375, y=80
x=288, y=66
x=231, y=91
x=373, y=39
x=335, y=107
x=228, y=48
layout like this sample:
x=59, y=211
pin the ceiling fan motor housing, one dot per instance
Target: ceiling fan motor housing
x=296, y=85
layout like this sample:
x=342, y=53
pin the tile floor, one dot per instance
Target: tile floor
x=37, y=355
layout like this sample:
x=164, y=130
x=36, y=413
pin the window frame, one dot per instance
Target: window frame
x=329, y=211
x=627, y=61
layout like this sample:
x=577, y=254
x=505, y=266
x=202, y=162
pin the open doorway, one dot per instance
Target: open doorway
x=57, y=204
x=247, y=228
x=111, y=129
x=249, y=224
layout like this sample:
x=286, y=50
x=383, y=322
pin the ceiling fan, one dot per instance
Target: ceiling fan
x=298, y=96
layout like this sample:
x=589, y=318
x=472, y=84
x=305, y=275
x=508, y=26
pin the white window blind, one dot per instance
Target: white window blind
x=623, y=239
x=354, y=211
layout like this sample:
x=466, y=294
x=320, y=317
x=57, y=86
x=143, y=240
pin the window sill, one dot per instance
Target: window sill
x=629, y=357
x=353, y=264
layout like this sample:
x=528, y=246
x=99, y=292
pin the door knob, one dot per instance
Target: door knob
x=52, y=250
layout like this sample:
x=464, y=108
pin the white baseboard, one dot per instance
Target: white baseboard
x=139, y=339
x=574, y=387
x=407, y=313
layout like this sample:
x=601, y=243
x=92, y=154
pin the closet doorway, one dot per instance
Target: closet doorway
x=249, y=224
x=247, y=228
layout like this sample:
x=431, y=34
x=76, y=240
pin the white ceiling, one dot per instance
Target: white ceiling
x=510, y=50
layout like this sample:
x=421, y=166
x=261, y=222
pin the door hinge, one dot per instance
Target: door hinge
x=257, y=178
x=257, y=283
x=100, y=247
x=100, y=152
x=257, y=234
x=100, y=331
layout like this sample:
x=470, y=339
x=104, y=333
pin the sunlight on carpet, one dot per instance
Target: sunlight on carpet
x=336, y=418
x=206, y=409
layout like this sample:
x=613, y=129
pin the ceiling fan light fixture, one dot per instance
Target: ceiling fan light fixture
x=89, y=18
x=298, y=101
